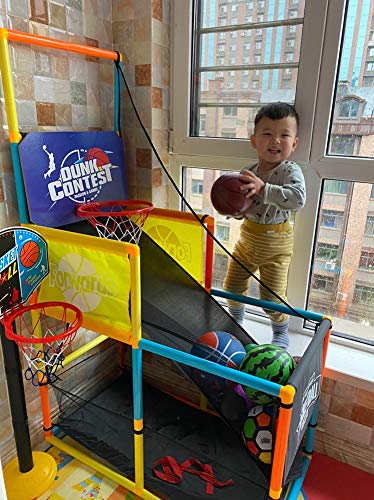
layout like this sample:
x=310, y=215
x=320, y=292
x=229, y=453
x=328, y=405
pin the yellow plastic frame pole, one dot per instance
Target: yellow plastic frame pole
x=6, y=78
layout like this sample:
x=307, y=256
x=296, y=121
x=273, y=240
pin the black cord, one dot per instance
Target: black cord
x=296, y=313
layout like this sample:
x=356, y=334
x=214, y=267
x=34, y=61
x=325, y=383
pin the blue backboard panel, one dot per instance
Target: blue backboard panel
x=64, y=169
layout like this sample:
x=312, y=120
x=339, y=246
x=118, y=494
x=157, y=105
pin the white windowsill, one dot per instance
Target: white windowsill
x=346, y=363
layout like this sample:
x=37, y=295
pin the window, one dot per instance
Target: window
x=323, y=283
x=363, y=295
x=223, y=232
x=230, y=111
x=367, y=260
x=369, y=226
x=343, y=145
x=338, y=187
x=326, y=251
x=348, y=108
x=197, y=186
x=202, y=122
x=336, y=137
x=332, y=218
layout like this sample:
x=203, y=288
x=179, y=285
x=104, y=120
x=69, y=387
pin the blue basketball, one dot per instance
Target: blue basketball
x=219, y=347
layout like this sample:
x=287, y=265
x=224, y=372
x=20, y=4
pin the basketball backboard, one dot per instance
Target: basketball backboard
x=23, y=265
x=62, y=170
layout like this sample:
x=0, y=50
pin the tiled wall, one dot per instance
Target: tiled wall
x=58, y=91
x=141, y=31
x=346, y=424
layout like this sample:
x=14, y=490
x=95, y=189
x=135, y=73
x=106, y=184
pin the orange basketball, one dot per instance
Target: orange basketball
x=29, y=253
x=97, y=154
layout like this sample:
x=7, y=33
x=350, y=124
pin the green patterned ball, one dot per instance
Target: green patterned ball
x=269, y=362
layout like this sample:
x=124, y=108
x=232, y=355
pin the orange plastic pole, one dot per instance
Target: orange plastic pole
x=287, y=394
x=46, y=411
x=19, y=36
x=324, y=355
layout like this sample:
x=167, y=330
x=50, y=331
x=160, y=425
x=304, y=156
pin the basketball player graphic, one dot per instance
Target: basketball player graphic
x=52, y=165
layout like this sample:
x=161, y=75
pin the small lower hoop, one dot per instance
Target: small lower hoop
x=43, y=335
x=121, y=220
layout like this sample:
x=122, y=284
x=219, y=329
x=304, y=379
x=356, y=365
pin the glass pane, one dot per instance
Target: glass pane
x=227, y=230
x=251, y=46
x=342, y=281
x=217, y=12
x=240, y=59
x=239, y=87
x=352, y=131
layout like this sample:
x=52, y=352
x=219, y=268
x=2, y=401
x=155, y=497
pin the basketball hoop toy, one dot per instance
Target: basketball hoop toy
x=117, y=220
x=43, y=332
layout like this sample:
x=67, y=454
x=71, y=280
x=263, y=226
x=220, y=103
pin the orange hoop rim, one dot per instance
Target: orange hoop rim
x=94, y=209
x=9, y=318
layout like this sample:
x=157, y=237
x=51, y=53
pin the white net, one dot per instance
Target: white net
x=122, y=221
x=43, y=338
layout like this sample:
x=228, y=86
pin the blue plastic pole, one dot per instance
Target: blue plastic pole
x=267, y=305
x=202, y=364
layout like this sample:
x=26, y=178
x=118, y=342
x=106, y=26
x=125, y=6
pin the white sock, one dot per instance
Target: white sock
x=280, y=334
x=237, y=312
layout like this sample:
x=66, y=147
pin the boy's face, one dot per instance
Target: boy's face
x=274, y=140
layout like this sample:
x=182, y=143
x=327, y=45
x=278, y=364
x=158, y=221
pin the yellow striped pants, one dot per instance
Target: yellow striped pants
x=266, y=248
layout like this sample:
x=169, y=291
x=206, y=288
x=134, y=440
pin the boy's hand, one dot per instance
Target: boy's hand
x=254, y=185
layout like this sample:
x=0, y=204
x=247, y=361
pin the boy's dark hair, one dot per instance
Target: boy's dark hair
x=276, y=111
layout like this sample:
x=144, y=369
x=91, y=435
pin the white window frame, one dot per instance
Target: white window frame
x=322, y=32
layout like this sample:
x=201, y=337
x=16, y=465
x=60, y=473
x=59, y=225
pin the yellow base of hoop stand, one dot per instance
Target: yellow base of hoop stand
x=32, y=484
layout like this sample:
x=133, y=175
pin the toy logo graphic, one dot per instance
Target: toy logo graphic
x=310, y=395
x=81, y=175
x=80, y=282
x=64, y=169
x=23, y=265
